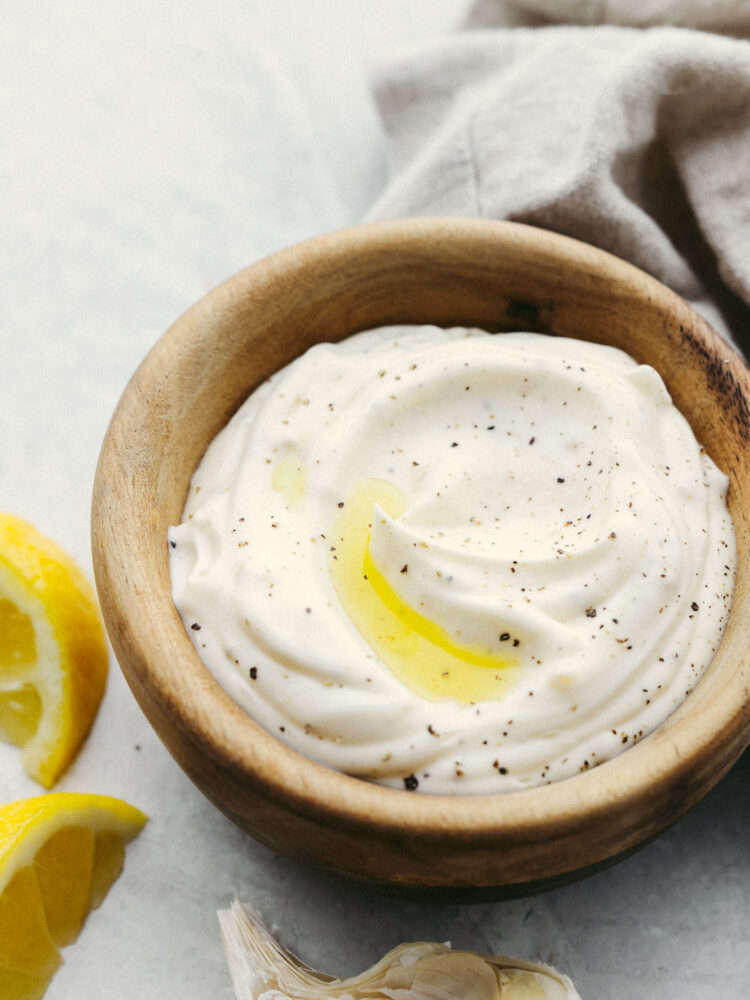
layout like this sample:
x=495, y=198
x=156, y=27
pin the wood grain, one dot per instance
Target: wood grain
x=499, y=276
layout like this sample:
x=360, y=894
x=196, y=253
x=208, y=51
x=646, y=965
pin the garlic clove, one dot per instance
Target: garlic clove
x=261, y=969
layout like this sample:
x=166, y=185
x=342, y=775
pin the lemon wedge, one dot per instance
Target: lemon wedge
x=59, y=854
x=53, y=653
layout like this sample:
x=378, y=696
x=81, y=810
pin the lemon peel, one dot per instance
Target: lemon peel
x=59, y=855
x=261, y=968
x=53, y=651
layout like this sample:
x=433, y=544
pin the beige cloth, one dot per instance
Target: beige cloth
x=732, y=16
x=635, y=140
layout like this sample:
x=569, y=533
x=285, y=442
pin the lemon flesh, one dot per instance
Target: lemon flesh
x=59, y=854
x=53, y=652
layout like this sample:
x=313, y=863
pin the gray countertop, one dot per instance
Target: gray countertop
x=147, y=152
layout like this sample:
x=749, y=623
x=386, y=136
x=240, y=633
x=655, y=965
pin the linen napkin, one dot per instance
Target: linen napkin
x=635, y=140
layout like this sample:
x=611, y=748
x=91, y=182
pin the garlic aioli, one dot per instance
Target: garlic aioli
x=456, y=561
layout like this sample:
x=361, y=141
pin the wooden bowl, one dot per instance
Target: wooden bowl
x=499, y=276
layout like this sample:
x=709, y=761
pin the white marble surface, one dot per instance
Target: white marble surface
x=147, y=151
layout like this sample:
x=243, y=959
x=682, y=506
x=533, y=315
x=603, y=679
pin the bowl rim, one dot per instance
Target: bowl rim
x=663, y=764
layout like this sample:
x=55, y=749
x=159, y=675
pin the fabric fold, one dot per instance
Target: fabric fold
x=634, y=140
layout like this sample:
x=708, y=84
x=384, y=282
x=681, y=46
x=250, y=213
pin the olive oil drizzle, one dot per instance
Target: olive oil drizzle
x=419, y=651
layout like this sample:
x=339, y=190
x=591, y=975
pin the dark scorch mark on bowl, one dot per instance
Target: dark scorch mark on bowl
x=535, y=316
x=721, y=382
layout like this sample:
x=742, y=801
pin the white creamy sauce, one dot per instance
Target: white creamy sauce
x=456, y=561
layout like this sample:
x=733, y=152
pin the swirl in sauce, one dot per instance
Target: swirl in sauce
x=457, y=561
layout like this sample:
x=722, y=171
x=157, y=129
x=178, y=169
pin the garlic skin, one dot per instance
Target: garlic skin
x=262, y=970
